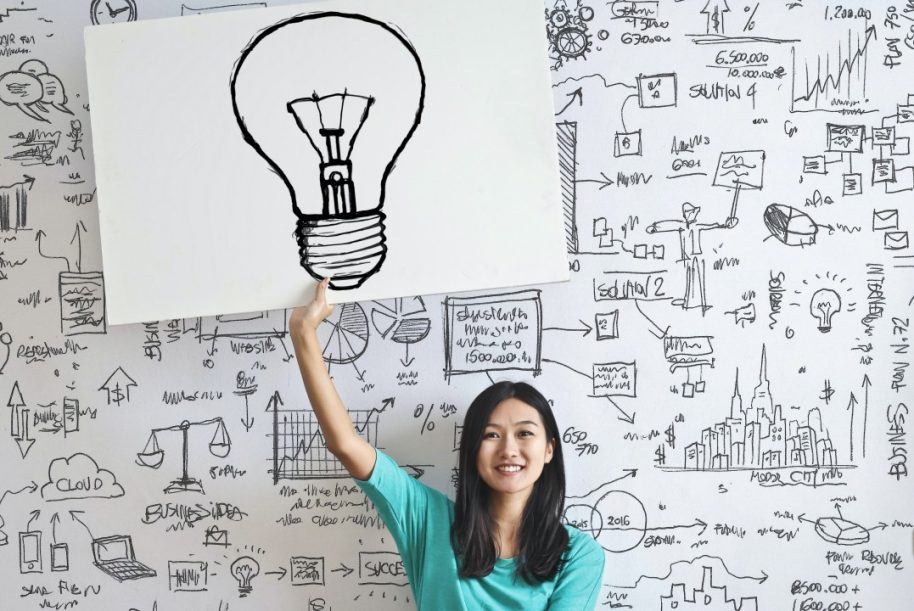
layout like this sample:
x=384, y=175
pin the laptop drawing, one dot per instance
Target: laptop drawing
x=114, y=555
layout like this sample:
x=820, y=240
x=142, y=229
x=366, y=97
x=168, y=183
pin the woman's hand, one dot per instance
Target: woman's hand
x=307, y=318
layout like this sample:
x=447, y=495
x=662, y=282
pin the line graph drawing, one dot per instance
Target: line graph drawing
x=837, y=80
x=299, y=448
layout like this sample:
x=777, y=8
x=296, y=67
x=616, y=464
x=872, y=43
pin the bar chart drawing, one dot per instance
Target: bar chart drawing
x=14, y=204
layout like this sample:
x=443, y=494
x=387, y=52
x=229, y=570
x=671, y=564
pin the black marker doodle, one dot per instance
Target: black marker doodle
x=307, y=570
x=245, y=387
x=36, y=147
x=79, y=477
x=114, y=556
x=690, y=583
x=152, y=455
x=337, y=105
x=117, y=387
x=714, y=11
x=30, y=558
x=758, y=436
x=615, y=518
x=402, y=322
x=477, y=332
x=382, y=569
x=19, y=421
x=690, y=230
x=216, y=536
x=187, y=575
x=836, y=80
x=244, y=569
x=6, y=340
x=4, y=539
x=790, y=226
x=31, y=88
x=14, y=204
x=823, y=305
x=299, y=448
x=344, y=335
x=112, y=11
x=567, y=32
x=840, y=531
x=76, y=137
x=826, y=301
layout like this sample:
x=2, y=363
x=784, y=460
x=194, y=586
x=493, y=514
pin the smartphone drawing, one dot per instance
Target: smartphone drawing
x=60, y=557
x=30, y=552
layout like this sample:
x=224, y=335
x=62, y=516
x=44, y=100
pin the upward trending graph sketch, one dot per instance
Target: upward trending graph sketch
x=299, y=448
x=834, y=80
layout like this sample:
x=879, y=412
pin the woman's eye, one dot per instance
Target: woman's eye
x=490, y=435
x=526, y=433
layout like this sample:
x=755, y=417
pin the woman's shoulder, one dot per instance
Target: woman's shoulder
x=581, y=543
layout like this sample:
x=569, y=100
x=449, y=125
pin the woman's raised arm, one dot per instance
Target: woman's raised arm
x=356, y=454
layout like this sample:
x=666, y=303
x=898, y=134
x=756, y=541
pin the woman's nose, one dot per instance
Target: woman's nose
x=509, y=447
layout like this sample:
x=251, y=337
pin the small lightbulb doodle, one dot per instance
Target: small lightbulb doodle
x=244, y=569
x=331, y=119
x=825, y=303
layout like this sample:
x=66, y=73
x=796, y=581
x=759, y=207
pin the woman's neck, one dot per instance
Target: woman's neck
x=507, y=512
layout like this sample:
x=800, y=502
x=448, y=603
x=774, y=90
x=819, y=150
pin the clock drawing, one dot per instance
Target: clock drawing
x=112, y=11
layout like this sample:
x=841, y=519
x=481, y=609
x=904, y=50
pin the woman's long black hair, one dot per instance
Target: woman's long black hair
x=543, y=538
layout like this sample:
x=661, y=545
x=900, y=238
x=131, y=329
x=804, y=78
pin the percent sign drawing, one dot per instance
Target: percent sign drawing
x=425, y=413
x=750, y=23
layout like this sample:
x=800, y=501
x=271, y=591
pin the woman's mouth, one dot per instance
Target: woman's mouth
x=508, y=469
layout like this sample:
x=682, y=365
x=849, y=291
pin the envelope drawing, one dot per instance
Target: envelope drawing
x=903, y=181
x=885, y=219
x=215, y=536
x=896, y=240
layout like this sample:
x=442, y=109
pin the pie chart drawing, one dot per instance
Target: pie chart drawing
x=403, y=321
x=841, y=531
x=344, y=334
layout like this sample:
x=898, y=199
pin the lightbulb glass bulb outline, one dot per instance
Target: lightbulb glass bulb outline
x=305, y=85
x=823, y=305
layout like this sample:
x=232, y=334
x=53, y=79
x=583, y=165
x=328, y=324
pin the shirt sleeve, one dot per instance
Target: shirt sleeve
x=579, y=582
x=402, y=502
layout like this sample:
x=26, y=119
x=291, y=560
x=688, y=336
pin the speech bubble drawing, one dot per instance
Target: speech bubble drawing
x=21, y=89
x=54, y=93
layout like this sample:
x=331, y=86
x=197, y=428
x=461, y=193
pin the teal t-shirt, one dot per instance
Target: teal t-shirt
x=419, y=518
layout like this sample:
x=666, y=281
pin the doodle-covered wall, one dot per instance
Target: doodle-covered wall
x=729, y=364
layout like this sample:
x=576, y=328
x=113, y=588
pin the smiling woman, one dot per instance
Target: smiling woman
x=502, y=543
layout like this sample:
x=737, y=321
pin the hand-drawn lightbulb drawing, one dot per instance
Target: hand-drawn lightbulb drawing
x=244, y=569
x=824, y=304
x=330, y=100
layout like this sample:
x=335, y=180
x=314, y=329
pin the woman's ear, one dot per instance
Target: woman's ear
x=550, y=448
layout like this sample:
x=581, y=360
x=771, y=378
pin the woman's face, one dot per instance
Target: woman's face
x=513, y=449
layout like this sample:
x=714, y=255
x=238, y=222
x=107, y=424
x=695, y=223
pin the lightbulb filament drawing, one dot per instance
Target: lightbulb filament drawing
x=302, y=101
x=337, y=187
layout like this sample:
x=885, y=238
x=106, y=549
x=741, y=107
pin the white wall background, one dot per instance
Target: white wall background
x=602, y=347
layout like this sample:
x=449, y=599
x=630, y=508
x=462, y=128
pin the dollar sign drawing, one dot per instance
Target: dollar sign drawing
x=660, y=453
x=118, y=395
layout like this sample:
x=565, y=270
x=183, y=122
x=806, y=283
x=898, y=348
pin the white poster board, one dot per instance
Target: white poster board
x=384, y=137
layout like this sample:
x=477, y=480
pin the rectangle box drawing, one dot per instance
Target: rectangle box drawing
x=498, y=332
x=614, y=380
x=845, y=138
